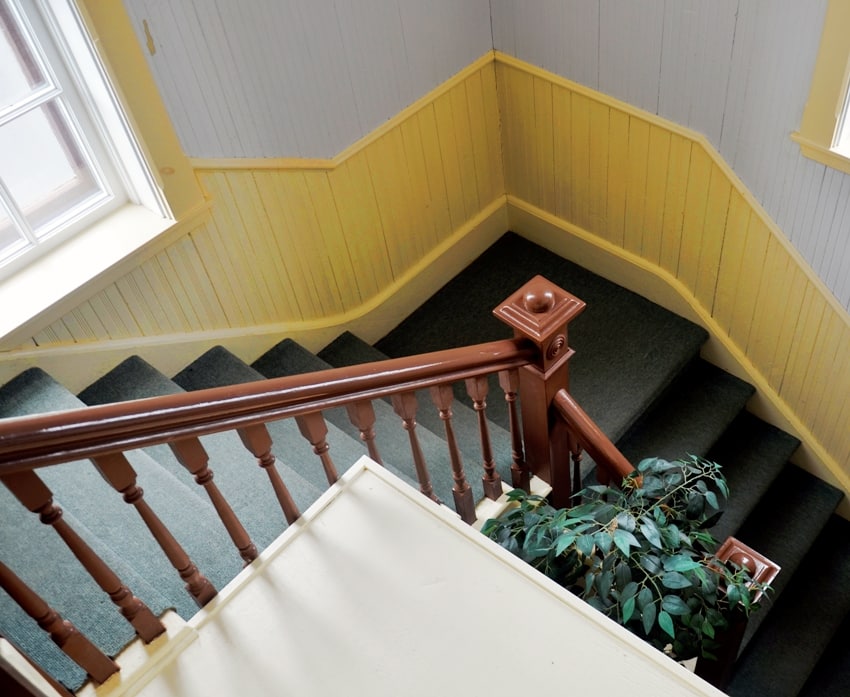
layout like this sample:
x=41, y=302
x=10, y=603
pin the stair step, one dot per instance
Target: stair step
x=800, y=624
x=752, y=454
x=831, y=676
x=690, y=417
x=627, y=349
x=288, y=357
x=43, y=561
x=242, y=482
x=218, y=367
x=348, y=349
x=783, y=527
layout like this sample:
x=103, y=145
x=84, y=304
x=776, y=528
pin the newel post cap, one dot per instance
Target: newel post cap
x=540, y=311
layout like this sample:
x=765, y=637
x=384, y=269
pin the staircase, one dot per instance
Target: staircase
x=638, y=374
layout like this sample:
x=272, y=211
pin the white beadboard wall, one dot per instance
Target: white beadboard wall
x=300, y=78
x=736, y=70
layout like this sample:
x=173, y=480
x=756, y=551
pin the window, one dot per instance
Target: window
x=56, y=171
x=824, y=133
x=117, y=147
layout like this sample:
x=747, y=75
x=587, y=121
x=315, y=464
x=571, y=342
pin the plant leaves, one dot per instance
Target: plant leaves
x=666, y=623
x=648, y=615
x=650, y=532
x=584, y=544
x=565, y=540
x=675, y=580
x=626, y=521
x=624, y=539
x=644, y=597
x=628, y=609
x=681, y=562
x=675, y=605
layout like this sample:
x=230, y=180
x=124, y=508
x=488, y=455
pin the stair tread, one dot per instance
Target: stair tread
x=752, y=454
x=799, y=626
x=242, y=482
x=783, y=527
x=613, y=380
x=218, y=367
x=289, y=358
x=831, y=676
x=690, y=417
x=348, y=349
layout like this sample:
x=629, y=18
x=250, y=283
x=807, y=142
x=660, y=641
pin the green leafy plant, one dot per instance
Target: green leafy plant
x=642, y=553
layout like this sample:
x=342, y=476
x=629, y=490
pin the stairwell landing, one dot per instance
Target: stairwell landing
x=636, y=371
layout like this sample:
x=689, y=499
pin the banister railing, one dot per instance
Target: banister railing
x=548, y=430
x=36, y=441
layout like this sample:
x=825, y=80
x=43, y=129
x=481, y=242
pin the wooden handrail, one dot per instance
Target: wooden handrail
x=604, y=453
x=36, y=441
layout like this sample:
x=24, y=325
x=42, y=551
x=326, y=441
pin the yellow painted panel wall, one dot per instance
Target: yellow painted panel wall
x=300, y=242
x=663, y=195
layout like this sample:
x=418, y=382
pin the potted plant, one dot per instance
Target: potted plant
x=642, y=554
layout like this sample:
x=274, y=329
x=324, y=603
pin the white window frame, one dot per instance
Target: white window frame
x=164, y=196
x=824, y=134
x=97, y=125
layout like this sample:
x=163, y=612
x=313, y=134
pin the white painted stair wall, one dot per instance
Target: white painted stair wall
x=377, y=590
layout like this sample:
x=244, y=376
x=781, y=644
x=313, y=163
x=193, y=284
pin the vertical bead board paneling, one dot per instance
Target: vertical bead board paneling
x=722, y=68
x=302, y=78
x=305, y=244
x=667, y=199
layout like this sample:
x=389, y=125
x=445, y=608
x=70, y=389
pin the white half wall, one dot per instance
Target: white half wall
x=301, y=78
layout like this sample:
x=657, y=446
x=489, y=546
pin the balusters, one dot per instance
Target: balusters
x=477, y=388
x=443, y=395
x=520, y=474
x=192, y=455
x=576, y=454
x=117, y=470
x=405, y=406
x=315, y=430
x=259, y=442
x=34, y=494
x=63, y=633
x=362, y=415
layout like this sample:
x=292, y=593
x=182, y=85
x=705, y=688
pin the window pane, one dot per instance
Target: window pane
x=20, y=74
x=11, y=240
x=43, y=168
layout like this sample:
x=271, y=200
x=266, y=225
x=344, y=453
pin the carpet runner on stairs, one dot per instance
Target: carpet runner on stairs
x=636, y=371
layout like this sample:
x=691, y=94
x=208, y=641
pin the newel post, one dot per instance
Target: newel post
x=541, y=312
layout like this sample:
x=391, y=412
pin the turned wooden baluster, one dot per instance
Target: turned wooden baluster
x=405, y=406
x=63, y=633
x=193, y=456
x=541, y=312
x=315, y=430
x=117, y=470
x=576, y=454
x=362, y=415
x=259, y=442
x=477, y=388
x=520, y=475
x=443, y=395
x=34, y=494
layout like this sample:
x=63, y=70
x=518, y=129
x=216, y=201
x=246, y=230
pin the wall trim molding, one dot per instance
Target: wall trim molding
x=78, y=365
x=649, y=280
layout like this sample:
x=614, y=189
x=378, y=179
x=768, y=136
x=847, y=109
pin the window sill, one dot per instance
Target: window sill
x=64, y=277
x=818, y=153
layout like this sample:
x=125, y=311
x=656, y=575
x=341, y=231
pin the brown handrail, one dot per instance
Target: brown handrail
x=591, y=437
x=36, y=441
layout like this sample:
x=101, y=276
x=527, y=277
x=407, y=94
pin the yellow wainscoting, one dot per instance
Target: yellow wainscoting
x=294, y=243
x=583, y=165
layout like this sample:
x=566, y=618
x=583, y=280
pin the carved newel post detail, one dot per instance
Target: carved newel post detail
x=541, y=312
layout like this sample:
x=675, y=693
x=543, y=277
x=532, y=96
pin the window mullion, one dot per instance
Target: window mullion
x=16, y=215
